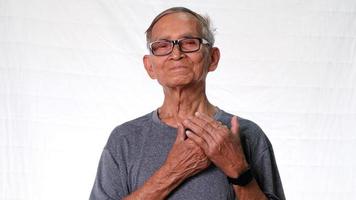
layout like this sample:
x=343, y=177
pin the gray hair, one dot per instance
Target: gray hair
x=206, y=30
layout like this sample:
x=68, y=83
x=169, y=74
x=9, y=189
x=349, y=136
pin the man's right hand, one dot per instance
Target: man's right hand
x=186, y=158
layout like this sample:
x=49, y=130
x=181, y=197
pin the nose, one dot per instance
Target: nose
x=176, y=52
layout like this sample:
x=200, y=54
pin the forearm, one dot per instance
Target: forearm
x=159, y=185
x=251, y=191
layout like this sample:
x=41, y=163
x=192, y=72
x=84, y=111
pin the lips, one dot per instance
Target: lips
x=178, y=68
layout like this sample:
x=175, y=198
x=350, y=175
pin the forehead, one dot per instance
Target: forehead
x=175, y=26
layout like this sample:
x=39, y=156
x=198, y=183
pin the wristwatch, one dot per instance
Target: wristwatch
x=244, y=179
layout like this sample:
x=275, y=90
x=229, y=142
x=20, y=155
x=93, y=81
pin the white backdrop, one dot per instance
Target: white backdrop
x=71, y=70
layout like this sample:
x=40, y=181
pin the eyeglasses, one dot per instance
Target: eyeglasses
x=186, y=45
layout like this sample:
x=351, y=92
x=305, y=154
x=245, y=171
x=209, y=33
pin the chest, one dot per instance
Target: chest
x=150, y=156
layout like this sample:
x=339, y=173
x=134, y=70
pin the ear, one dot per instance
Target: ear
x=214, y=58
x=148, y=66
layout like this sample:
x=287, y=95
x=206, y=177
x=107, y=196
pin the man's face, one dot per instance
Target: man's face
x=178, y=68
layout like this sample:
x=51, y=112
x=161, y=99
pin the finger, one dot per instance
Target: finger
x=234, y=125
x=180, y=133
x=198, y=140
x=215, y=136
x=198, y=130
x=208, y=119
x=210, y=127
x=206, y=126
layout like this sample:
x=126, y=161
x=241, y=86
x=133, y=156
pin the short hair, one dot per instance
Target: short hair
x=206, y=30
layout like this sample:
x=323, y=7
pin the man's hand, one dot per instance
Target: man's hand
x=221, y=145
x=186, y=158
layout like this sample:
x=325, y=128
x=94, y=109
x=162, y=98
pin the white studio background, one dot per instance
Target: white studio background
x=71, y=70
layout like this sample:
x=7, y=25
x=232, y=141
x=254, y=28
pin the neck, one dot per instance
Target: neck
x=181, y=103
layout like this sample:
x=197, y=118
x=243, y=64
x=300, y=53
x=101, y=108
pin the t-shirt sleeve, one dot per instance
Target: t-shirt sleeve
x=110, y=183
x=267, y=174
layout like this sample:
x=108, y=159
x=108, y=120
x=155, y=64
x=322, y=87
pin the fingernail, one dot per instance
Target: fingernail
x=197, y=113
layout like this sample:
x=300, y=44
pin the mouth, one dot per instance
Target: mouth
x=177, y=68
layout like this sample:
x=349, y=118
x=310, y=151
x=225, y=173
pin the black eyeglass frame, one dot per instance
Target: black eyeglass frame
x=177, y=42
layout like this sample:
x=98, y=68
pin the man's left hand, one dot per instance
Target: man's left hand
x=221, y=144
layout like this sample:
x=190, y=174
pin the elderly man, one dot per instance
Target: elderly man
x=187, y=148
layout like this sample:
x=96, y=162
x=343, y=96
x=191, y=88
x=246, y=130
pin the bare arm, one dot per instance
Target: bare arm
x=184, y=160
x=223, y=147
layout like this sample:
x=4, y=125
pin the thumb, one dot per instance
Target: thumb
x=234, y=125
x=180, y=133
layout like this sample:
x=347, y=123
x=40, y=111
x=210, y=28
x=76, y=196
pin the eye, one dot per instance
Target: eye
x=160, y=45
x=189, y=44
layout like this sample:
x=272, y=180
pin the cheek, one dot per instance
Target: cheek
x=157, y=67
x=201, y=64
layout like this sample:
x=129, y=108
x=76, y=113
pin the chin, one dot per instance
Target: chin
x=180, y=84
x=177, y=80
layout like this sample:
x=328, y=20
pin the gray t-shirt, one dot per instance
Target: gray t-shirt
x=136, y=149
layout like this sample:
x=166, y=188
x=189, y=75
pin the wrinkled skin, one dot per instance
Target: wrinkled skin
x=186, y=157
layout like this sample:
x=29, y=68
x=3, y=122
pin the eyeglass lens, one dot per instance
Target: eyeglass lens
x=165, y=47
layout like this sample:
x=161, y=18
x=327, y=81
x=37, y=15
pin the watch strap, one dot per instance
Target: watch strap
x=244, y=179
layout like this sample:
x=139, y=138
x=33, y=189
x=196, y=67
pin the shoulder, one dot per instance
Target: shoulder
x=129, y=130
x=253, y=131
x=133, y=125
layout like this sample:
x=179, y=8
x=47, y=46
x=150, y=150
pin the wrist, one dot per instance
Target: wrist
x=243, y=179
x=237, y=169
